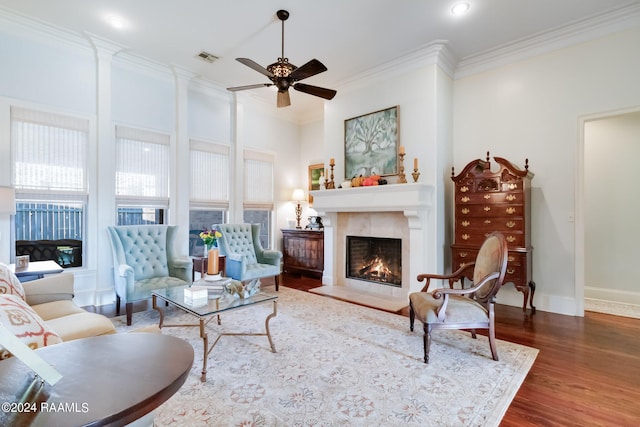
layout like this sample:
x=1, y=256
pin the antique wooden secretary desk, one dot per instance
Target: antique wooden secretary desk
x=487, y=201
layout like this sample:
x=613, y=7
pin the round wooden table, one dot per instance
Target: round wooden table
x=109, y=380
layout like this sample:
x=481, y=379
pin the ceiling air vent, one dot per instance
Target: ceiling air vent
x=206, y=56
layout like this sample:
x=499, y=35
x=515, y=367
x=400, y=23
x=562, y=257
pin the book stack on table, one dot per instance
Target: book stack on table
x=215, y=288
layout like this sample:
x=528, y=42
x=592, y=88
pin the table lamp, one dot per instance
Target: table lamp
x=298, y=197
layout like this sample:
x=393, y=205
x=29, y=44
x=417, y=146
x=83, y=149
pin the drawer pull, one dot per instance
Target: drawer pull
x=464, y=189
x=487, y=196
x=510, y=271
x=511, y=258
x=465, y=211
x=463, y=254
x=465, y=223
x=511, y=224
x=487, y=221
x=511, y=211
x=513, y=186
x=511, y=239
x=465, y=199
x=465, y=237
x=487, y=208
x=511, y=197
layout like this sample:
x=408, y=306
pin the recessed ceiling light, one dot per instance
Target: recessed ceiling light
x=460, y=8
x=116, y=22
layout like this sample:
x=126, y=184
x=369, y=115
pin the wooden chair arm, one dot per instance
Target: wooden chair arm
x=452, y=278
x=440, y=292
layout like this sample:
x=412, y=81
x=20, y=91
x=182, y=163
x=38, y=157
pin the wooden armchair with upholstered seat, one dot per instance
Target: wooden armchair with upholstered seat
x=471, y=308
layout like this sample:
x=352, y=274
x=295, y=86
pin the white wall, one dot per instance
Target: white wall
x=611, y=153
x=423, y=96
x=531, y=109
x=59, y=74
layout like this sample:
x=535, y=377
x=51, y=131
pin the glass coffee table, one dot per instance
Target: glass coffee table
x=213, y=308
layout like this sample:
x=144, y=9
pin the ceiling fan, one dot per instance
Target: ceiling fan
x=284, y=74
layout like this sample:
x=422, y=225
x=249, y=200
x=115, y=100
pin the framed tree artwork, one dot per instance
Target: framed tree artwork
x=315, y=171
x=371, y=143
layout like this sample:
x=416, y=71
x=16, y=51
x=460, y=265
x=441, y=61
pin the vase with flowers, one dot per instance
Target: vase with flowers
x=210, y=239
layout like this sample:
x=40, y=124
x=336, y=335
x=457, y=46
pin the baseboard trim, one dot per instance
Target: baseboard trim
x=612, y=307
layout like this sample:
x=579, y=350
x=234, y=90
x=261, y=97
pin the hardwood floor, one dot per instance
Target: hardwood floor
x=586, y=374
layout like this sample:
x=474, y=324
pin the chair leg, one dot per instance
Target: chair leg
x=473, y=334
x=412, y=316
x=129, y=309
x=492, y=335
x=427, y=341
x=118, y=305
x=277, y=282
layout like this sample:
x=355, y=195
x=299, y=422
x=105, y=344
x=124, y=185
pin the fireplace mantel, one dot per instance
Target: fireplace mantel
x=413, y=200
x=375, y=198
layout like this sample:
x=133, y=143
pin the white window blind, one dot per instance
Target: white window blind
x=209, y=175
x=49, y=151
x=142, y=167
x=258, y=180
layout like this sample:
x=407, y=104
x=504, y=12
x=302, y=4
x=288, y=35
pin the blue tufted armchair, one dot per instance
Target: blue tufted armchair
x=246, y=258
x=144, y=261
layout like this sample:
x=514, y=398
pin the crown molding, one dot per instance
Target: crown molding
x=43, y=32
x=581, y=31
x=104, y=47
x=432, y=53
x=138, y=63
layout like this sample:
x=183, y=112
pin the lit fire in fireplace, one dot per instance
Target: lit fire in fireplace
x=375, y=270
x=374, y=259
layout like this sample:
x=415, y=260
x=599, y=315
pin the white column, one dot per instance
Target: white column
x=180, y=169
x=330, y=222
x=102, y=204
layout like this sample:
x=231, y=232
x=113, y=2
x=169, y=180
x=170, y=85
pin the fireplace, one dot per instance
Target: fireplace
x=399, y=211
x=374, y=259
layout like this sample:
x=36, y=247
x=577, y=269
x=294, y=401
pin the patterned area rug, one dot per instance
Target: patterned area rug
x=338, y=364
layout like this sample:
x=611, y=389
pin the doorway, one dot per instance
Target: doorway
x=609, y=204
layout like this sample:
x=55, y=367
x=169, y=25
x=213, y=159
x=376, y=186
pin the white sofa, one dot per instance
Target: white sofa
x=42, y=312
x=52, y=299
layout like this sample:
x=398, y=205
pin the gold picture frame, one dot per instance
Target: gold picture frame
x=315, y=171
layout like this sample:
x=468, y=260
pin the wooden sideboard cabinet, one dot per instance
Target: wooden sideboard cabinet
x=487, y=201
x=303, y=251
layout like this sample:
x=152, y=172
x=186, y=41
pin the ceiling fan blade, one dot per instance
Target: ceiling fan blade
x=256, y=86
x=255, y=66
x=315, y=90
x=283, y=99
x=309, y=69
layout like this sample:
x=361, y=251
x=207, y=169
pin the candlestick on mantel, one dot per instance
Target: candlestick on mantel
x=415, y=163
x=331, y=185
x=401, y=150
x=401, y=176
x=332, y=161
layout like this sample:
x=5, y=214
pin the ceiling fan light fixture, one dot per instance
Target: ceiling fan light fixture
x=281, y=68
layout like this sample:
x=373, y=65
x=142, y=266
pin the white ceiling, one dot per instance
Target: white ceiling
x=348, y=36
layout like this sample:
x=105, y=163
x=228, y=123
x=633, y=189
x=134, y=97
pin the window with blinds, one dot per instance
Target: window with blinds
x=49, y=153
x=209, y=190
x=142, y=176
x=258, y=180
x=209, y=175
x=258, y=192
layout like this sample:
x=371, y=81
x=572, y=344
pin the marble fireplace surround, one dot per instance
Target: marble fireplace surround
x=392, y=210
